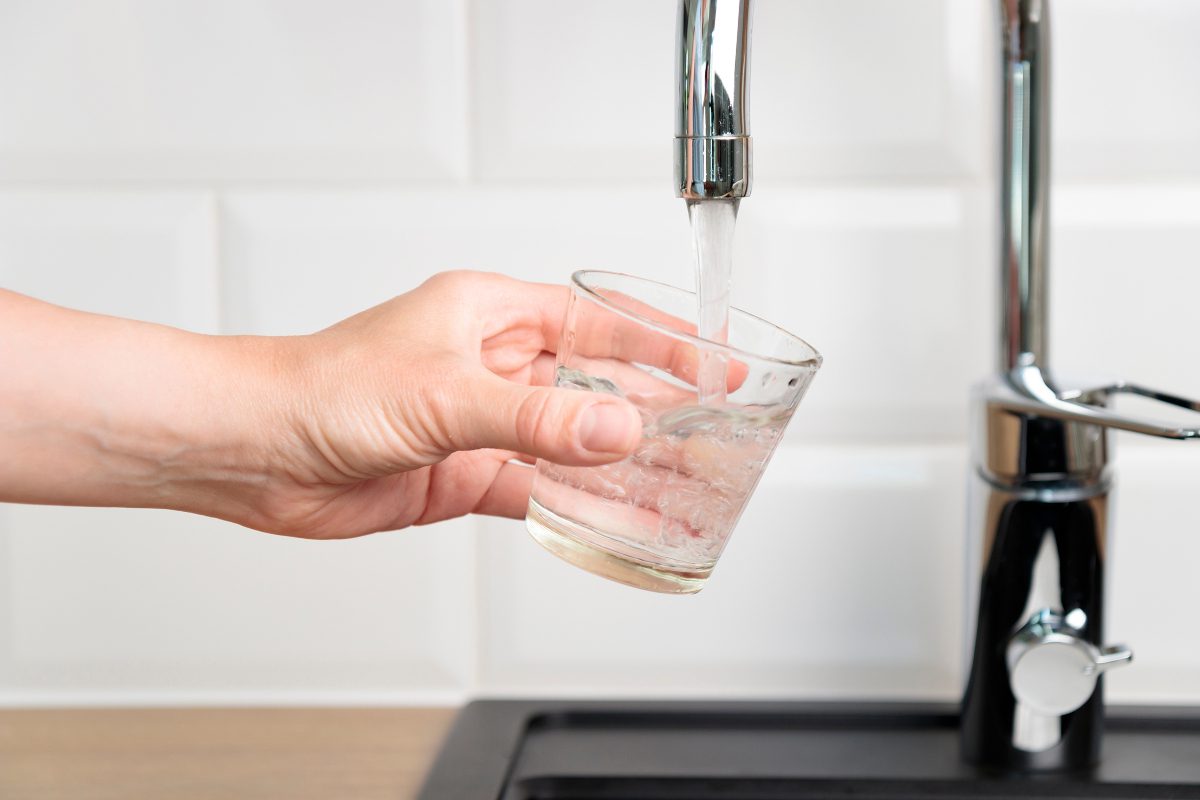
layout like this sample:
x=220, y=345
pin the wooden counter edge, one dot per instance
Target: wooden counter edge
x=192, y=753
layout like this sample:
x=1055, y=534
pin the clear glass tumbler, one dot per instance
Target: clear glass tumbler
x=660, y=518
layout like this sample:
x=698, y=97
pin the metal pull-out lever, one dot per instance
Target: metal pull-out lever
x=1031, y=394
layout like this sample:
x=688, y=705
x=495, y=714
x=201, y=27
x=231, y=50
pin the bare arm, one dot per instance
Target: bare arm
x=96, y=410
x=407, y=413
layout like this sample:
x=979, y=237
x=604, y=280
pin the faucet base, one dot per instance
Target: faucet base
x=1037, y=544
x=1073, y=745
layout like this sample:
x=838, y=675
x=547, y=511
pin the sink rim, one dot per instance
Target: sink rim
x=487, y=742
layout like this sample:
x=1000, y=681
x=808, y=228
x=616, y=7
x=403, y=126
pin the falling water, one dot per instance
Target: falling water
x=712, y=241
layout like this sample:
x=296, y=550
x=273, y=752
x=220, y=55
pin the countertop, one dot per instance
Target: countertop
x=187, y=754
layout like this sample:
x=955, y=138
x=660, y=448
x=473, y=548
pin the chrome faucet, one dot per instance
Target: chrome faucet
x=1040, y=455
x=1041, y=476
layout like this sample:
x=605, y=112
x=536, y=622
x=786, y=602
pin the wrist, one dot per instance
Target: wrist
x=231, y=439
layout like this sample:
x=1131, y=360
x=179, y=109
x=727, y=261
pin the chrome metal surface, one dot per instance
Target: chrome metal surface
x=1052, y=668
x=1038, y=550
x=1042, y=478
x=712, y=129
x=1040, y=451
x=1024, y=180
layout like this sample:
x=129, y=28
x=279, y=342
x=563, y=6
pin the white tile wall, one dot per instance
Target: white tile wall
x=1152, y=590
x=228, y=90
x=1123, y=280
x=572, y=92
x=149, y=255
x=153, y=604
x=890, y=284
x=869, y=88
x=300, y=260
x=861, y=88
x=817, y=594
x=1125, y=96
x=272, y=167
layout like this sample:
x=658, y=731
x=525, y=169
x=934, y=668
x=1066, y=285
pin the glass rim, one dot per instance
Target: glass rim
x=579, y=280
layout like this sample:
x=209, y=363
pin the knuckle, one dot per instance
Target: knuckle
x=538, y=418
x=450, y=282
x=437, y=415
x=456, y=281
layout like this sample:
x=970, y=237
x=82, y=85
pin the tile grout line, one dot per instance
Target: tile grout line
x=466, y=38
x=220, y=282
x=475, y=651
x=465, y=35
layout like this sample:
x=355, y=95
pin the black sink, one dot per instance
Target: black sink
x=558, y=750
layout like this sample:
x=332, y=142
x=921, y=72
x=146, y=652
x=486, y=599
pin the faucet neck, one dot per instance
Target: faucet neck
x=1024, y=182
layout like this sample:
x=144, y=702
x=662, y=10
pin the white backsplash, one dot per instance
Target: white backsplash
x=270, y=167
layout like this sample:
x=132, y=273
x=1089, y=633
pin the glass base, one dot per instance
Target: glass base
x=569, y=541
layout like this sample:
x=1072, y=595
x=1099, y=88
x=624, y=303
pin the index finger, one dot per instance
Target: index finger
x=629, y=330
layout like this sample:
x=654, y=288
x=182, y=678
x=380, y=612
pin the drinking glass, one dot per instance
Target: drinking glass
x=659, y=518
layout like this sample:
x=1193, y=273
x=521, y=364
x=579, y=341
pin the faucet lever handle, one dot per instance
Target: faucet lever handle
x=1086, y=399
x=1034, y=396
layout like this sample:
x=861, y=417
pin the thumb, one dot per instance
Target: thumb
x=565, y=426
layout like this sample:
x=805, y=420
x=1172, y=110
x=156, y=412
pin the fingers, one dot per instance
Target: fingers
x=647, y=389
x=508, y=495
x=569, y=427
x=495, y=304
x=606, y=334
x=501, y=304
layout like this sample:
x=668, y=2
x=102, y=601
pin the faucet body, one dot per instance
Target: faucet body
x=1041, y=477
x=1037, y=545
x=1040, y=485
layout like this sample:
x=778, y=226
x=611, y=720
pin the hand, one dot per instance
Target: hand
x=408, y=413
x=412, y=412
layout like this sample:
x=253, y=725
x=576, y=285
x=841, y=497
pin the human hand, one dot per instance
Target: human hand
x=412, y=412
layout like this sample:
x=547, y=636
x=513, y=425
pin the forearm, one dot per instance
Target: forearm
x=96, y=410
x=406, y=413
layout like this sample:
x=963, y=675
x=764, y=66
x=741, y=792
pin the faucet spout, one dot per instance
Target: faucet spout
x=712, y=131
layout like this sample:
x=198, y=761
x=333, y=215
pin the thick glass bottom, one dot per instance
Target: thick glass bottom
x=571, y=541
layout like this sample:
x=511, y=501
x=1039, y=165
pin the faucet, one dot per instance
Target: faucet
x=712, y=129
x=1041, y=476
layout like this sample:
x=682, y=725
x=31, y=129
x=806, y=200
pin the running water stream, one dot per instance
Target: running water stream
x=712, y=242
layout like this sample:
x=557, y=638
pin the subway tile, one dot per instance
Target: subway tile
x=146, y=255
x=112, y=601
x=119, y=601
x=860, y=88
x=892, y=285
x=1151, y=596
x=1123, y=276
x=844, y=578
x=232, y=90
x=870, y=88
x=1124, y=96
x=297, y=261
x=573, y=92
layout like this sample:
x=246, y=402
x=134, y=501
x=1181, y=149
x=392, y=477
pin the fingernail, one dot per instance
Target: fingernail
x=605, y=428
